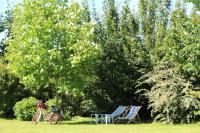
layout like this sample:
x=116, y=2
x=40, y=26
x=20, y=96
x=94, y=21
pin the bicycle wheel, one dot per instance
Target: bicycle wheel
x=36, y=117
x=55, y=118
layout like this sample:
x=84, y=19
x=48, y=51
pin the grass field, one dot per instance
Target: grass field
x=82, y=125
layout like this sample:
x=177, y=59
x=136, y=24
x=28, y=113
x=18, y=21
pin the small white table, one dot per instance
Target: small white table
x=107, y=118
x=101, y=118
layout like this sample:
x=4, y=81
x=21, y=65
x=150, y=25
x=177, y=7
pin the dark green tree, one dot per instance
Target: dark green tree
x=11, y=91
x=147, y=15
x=182, y=41
x=162, y=22
x=123, y=59
x=107, y=33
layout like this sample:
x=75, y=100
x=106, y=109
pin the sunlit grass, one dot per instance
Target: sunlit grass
x=82, y=125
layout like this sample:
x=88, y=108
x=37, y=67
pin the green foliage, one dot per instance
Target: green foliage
x=87, y=107
x=195, y=2
x=44, y=92
x=161, y=31
x=147, y=10
x=53, y=102
x=11, y=90
x=171, y=97
x=6, y=20
x=123, y=59
x=25, y=109
x=67, y=115
x=181, y=44
x=73, y=104
x=52, y=45
x=191, y=50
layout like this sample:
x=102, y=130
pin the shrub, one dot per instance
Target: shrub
x=25, y=109
x=67, y=115
x=171, y=96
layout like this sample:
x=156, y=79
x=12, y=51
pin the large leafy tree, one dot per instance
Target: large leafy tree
x=52, y=44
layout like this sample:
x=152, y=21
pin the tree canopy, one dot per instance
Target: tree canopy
x=51, y=44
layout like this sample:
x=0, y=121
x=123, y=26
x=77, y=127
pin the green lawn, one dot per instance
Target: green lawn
x=82, y=125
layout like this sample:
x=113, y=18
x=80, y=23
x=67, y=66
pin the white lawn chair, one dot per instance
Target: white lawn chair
x=130, y=116
x=108, y=118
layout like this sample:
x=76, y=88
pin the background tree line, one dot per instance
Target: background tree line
x=94, y=63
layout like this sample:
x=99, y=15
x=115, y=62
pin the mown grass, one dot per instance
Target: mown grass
x=82, y=125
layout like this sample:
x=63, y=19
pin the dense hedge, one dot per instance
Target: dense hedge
x=25, y=109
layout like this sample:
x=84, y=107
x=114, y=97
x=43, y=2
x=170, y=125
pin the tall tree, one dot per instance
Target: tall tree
x=52, y=44
x=182, y=41
x=147, y=11
x=122, y=61
x=128, y=27
x=191, y=51
x=162, y=24
x=86, y=10
x=107, y=72
x=136, y=56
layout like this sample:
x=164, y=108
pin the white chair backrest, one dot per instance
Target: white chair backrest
x=118, y=111
x=132, y=112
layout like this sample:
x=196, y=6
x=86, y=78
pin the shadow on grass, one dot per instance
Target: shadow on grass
x=76, y=123
x=89, y=123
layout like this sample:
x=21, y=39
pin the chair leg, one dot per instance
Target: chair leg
x=138, y=118
x=129, y=121
x=91, y=119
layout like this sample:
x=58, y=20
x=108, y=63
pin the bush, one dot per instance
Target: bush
x=25, y=109
x=67, y=115
x=171, y=96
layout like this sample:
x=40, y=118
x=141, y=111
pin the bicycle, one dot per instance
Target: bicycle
x=52, y=117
